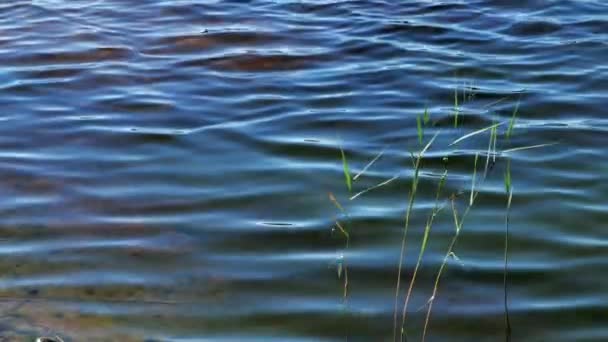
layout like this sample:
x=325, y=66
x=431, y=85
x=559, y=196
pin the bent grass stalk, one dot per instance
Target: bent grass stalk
x=522, y=148
x=491, y=149
x=374, y=187
x=427, y=230
x=513, y=118
x=413, y=190
x=344, y=264
x=479, y=131
x=346, y=170
x=426, y=117
x=450, y=252
x=332, y=198
x=369, y=165
x=421, y=123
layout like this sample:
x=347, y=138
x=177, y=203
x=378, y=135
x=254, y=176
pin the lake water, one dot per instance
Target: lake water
x=165, y=168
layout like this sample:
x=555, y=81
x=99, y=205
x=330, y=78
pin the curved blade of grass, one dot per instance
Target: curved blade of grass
x=333, y=200
x=344, y=265
x=492, y=140
x=479, y=131
x=426, y=117
x=512, y=122
x=473, y=182
x=528, y=147
x=427, y=146
x=369, y=164
x=375, y=186
x=495, y=102
x=346, y=170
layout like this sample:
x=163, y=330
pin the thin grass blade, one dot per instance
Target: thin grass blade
x=369, y=165
x=333, y=200
x=473, y=182
x=528, y=147
x=405, y=229
x=427, y=230
x=479, y=131
x=346, y=170
x=513, y=118
x=495, y=102
x=485, y=169
x=375, y=187
x=427, y=146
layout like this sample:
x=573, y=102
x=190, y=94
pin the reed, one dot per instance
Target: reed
x=477, y=179
x=342, y=264
x=427, y=229
x=346, y=170
x=426, y=117
x=512, y=121
x=412, y=197
x=368, y=165
x=458, y=222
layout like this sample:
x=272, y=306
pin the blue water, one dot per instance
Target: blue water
x=165, y=168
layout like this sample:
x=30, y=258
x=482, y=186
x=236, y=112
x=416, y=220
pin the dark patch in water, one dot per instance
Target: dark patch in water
x=255, y=62
x=208, y=41
x=71, y=57
x=533, y=28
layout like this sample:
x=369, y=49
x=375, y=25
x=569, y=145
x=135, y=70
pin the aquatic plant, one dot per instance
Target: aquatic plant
x=412, y=197
x=423, y=123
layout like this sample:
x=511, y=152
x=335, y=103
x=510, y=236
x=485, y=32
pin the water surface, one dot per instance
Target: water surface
x=165, y=167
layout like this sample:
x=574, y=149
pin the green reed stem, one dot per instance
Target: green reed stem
x=513, y=118
x=427, y=230
x=344, y=264
x=412, y=196
x=426, y=117
x=450, y=252
x=346, y=170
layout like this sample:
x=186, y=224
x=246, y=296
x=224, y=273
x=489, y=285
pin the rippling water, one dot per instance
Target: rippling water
x=165, y=166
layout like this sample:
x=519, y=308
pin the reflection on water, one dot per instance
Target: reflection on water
x=165, y=166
